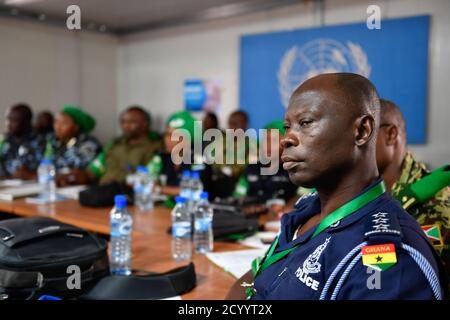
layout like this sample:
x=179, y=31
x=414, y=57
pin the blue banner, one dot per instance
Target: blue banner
x=394, y=58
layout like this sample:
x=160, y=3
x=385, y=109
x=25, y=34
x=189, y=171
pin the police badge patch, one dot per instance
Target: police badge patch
x=311, y=265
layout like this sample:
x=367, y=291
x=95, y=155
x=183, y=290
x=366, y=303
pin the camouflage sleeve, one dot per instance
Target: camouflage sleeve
x=434, y=219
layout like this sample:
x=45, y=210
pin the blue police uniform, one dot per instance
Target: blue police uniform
x=15, y=153
x=329, y=265
x=79, y=152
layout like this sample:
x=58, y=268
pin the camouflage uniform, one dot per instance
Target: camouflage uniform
x=16, y=153
x=121, y=158
x=434, y=212
x=78, y=152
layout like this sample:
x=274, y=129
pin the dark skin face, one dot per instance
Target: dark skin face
x=43, y=123
x=237, y=121
x=65, y=127
x=312, y=152
x=391, y=150
x=209, y=123
x=134, y=125
x=16, y=122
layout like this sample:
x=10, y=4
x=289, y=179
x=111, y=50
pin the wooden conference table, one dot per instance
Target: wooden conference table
x=151, y=241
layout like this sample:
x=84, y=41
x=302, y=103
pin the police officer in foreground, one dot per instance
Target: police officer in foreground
x=428, y=204
x=350, y=239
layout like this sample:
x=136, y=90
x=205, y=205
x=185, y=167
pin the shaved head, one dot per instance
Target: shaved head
x=350, y=93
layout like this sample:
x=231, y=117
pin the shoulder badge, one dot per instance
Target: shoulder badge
x=382, y=227
x=379, y=257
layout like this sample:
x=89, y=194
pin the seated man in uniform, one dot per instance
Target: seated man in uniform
x=254, y=184
x=135, y=147
x=400, y=170
x=350, y=239
x=20, y=148
x=71, y=147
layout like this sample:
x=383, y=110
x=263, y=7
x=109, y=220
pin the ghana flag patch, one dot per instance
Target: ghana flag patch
x=379, y=257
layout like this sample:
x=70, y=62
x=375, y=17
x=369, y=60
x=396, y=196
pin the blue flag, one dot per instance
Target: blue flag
x=394, y=58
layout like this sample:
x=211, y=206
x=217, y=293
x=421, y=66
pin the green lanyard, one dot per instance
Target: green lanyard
x=259, y=265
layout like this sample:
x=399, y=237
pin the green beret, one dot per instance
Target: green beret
x=83, y=120
x=277, y=124
x=182, y=120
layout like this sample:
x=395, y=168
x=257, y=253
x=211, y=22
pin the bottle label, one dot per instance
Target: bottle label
x=43, y=179
x=186, y=193
x=121, y=228
x=202, y=225
x=196, y=195
x=181, y=229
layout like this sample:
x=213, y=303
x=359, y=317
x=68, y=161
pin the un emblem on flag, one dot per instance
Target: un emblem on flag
x=315, y=57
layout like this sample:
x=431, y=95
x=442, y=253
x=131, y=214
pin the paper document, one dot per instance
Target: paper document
x=71, y=192
x=9, y=194
x=260, y=240
x=237, y=263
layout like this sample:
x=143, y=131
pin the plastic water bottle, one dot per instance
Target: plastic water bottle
x=46, y=178
x=143, y=187
x=196, y=188
x=181, y=231
x=120, y=238
x=185, y=185
x=203, y=231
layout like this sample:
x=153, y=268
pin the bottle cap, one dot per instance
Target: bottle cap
x=186, y=173
x=120, y=201
x=142, y=169
x=195, y=174
x=180, y=199
x=204, y=195
x=46, y=161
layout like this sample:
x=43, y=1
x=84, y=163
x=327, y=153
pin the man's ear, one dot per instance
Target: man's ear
x=364, y=129
x=391, y=135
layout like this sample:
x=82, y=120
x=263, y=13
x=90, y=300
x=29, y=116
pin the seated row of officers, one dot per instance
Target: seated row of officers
x=81, y=159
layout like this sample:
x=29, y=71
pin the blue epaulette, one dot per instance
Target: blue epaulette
x=382, y=227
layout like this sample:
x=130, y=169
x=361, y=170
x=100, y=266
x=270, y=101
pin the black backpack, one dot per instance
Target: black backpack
x=38, y=255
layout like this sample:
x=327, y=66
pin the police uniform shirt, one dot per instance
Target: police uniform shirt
x=15, y=153
x=78, y=152
x=305, y=271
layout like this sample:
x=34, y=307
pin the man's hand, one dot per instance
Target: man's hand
x=237, y=292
